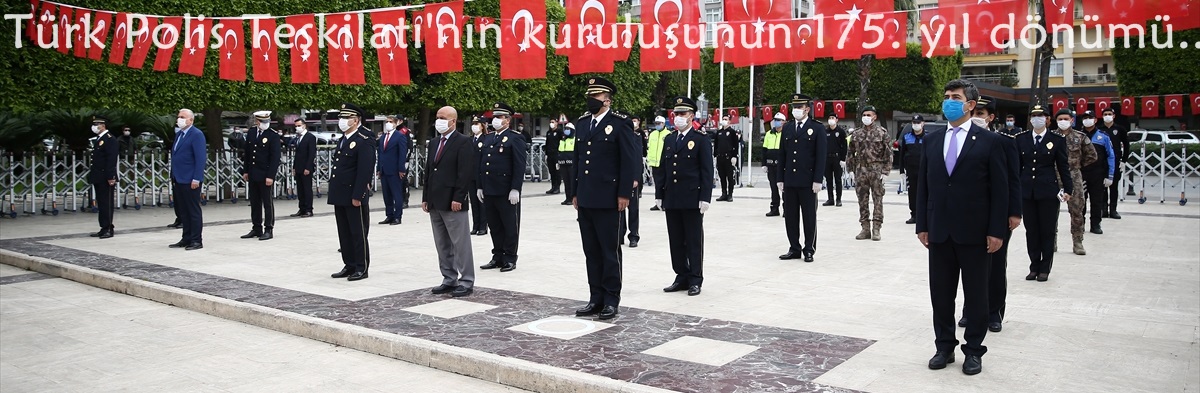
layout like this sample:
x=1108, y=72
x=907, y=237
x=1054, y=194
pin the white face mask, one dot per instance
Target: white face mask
x=441, y=125
x=181, y=122
x=867, y=120
x=1009, y=124
x=724, y=123
x=343, y=124
x=682, y=123
x=263, y=125
x=1089, y=122
x=552, y=125
x=497, y=123
x=833, y=124
x=798, y=113
x=1038, y=122
x=95, y=129
x=1064, y=124
x=476, y=129
x=1108, y=119
x=918, y=126
x=389, y=126
x=979, y=121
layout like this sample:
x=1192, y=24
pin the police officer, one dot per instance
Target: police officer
x=103, y=174
x=350, y=176
x=727, y=141
x=835, y=162
x=771, y=160
x=870, y=158
x=1098, y=177
x=260, y=166
x=1010, y=125
x=1120, y=136
x=478, y=217
x=1080, y=154
x=685, y=194
x=654, y=148
x=501, y=173
x=606, y=152
x=630, y=217
x=1043, y=156
x=802, y=157
x=911, y=148
x=566, y=161
x=553, y=137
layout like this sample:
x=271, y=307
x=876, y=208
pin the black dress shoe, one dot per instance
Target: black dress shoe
x=181, y=244
x=296, y=214
x=1031, y=276
x=97, y=234
x=175, y=225
x=729, y=198
x=995, y=327
x=385, y=222
x=675, y=287
x=357, y=276
x=654, y=208
x=1096, y=229
x=838, y=203
x=589, y=309
x=773, y=213
x=345, y=272
x=973, y=365
x=808, y=256
x=483, y=232
x=940, y=360
x=252, y=234
x=474, y=232
x=962, y=322
x=694, y=290
x=608, y=312
x=491, y=265
x=1114, y=215
x=395, y=222
x=1043, y=277
x=106, y=234
x=266, y=236
x=194, y=246
x=791, y=255
x=442, y=289
x=827, y=203
x=306, y=215
x=462, y=291
x=633, y=244
x=912, y=220
x=508, y=268
x=566, y=203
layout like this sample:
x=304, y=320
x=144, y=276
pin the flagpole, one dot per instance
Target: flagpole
x=689, y=94
x=721, y=93
x=750, y=138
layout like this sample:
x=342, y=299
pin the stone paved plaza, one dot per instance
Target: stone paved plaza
x=1124, y=318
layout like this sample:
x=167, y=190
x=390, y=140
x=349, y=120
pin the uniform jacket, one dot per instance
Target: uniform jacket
x=393, y=158
x=353, y=168
x=552, y=138
x=1106, y=156
x=188, y=156
x=502, y=160
x=306, y=154
x=1041, y=163
x=606, y=160
x=452, y=178
x=687, y=164
x=1013, y=159
x=728, y=142
x=261, y=158
x=837, y=142
x=1120, y=139
x=911, y=148
x=802, y=154
x=1080, y=152
x=870, y=150
x=971, y=203
x=104, y=159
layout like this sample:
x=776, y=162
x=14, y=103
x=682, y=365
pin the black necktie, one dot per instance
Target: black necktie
x=1037, y=140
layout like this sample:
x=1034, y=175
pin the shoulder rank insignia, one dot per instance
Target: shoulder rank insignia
x=691, y=145
x=620, y=115
x=1049, y=145
x=585, y=114
x=352, y=144
x=608, y=129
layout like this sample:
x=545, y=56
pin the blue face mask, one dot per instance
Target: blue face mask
x=567, y=131
x=776, y=123
x=658, y=127
x=953, y=109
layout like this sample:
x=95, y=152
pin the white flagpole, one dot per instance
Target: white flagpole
x=689, y=83
x=750, y=138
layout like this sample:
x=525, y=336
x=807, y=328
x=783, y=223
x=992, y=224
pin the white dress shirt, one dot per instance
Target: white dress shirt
x=962, y=137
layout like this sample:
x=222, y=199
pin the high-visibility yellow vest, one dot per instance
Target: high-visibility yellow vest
x=655, y=146
x=771, y=140
x=566, y=145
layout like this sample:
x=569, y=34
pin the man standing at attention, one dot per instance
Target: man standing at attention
x=870, y=158
x=451, y=177
x=188, y=157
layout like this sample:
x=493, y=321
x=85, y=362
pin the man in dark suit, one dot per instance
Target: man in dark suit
x=103, y=174
x=685, y=194
x=353, y=165
x=962, y=218
x=451, y=163
x=501, y=174
x=392, y=171
x=303, y=167
x=260, y=166
x=607, y=166
x=478, y=218
x=188, y=155
x=802, y=159
x=1044, y=162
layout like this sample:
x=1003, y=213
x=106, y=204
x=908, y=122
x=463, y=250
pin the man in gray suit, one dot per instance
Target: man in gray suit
x=451, y=177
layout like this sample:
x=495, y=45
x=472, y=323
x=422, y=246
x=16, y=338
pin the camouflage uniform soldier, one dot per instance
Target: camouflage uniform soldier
x=1080, y=153
x=870, y=158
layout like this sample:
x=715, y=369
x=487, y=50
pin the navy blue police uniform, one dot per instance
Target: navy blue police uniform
x=502, y=159
x=260, y=161
x=349, y=181
x=802, y=159
x=687, y=182
x=105, y=149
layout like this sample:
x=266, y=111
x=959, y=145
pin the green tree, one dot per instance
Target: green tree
x=1153, y=71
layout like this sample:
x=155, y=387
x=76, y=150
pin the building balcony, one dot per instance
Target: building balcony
x=1004, y=51
x=1008, y=79
x=1095, y=79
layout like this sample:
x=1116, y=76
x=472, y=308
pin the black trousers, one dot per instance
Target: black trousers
x=946, y=261
x=911, y=175
x=177, y=206
x=685, y=234
x=630, y=218
x=393, y=195
x=725, y=173
x=773, y=178
x=187, y=203
x=304, y=191
x=104, y=203
x=555, y=175
x=598, y=229
x=503, y=220
x=262, y=205
x=1041, y=220
x=800, y=203
x=1097, y=194
x=568, y=178
x=353, y=224
x=1114, y=192
x=997, y=283
x=478, y=213
x=833, y=178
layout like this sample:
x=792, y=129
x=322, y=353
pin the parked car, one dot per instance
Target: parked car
x=1160, y=136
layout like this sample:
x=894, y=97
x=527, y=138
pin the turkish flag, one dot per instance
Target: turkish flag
x=1128, y=106
x=1060, y=103
x=1113, y=12
x=748, y=22
x=1102, y=104
x=304, y=54
x=264, y=55
x=594, y=36
x=32, y=23
x=767, y=112
x=441, y=25
x=116, y=51
x=345, y=56
x=1195, y=97
x=1059, y=12
x=1173, y=105
x=392, y=51
x=1185, y=14
x=523, y=39
x=195, y=47
x=818, y=109
x=666, y=24
x=844, y=37
x=65, y=19
x=1081, y=105
x=232, y=55
x=162, y=59
x=1150, y=107
x=46, y=20
x=83, y=19
x=481, y=21
x=804, y=40
x=894, y=36
x=141, y=46
x=101, y=22
x=933, y=44
x=985, y=17
x=839, y=109
x=733, y=115
x=853, y=8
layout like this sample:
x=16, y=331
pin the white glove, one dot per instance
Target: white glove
x=658, y=203
x=703, y=207
x=1108, y=183
x=816, y=188
x=479, y=193
x=843, y=164
x=514, y=197
x=764, y=168
x=779, y=185
x=733, y=160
